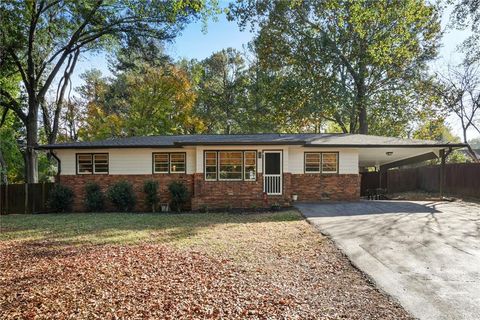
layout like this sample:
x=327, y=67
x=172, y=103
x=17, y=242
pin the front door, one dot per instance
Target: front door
x=272, y=172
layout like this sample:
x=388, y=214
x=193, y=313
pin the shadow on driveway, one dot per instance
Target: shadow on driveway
x=425, y=254
x=337, y=209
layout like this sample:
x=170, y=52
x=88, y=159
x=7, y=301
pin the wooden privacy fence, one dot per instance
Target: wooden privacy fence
x=24, y=198
x=461, y=179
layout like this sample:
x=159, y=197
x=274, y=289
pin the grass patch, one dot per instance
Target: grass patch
x=125, y=228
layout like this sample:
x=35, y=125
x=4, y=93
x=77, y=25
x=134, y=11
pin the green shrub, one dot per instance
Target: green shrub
x=179, y=194
x=122, y=196
x=94, y=198
x=60, y=199
x=150, y=187
x=275, y=207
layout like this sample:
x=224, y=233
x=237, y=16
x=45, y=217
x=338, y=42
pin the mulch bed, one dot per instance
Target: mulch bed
x=41, y=280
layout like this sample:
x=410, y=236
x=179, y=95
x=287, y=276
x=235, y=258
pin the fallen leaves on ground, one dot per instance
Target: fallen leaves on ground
x=271, y=270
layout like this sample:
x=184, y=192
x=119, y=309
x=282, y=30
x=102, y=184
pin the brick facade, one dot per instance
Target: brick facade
x=232, y=194
x=77, y=183
x=226, y=194
x=314, y=187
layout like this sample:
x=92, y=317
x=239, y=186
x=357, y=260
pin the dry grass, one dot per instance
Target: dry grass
x=266, y=265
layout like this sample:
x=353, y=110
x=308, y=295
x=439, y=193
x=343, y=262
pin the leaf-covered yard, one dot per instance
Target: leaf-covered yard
x=135, y=266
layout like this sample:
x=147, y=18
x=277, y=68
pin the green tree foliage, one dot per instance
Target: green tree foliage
x=344, y=61
x=42, y=41
x=221, y=91
x=161, y=101
x=150, y=100
x=466, y=14
x=10, y=132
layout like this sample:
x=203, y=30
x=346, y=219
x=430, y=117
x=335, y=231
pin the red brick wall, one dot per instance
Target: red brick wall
x=233, y=194
x=77, y=183
x=314, y=187
x=224, y=194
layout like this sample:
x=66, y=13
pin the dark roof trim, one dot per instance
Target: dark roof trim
x=444, y=145
x=135, y=146
x=308, y=145
x=240, y=143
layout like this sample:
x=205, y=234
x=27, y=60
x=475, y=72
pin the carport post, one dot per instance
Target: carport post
x=442, y=172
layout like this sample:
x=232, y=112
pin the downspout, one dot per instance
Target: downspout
x=59, y=165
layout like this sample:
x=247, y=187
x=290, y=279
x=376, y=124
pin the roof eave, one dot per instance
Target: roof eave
x=256, y=143
x=54, y=147
x=457, y=145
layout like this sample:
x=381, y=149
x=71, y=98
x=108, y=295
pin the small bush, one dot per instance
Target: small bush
x=275, y=207
x=179, y=194
x=122, y=196
x=94, y=198
x=150, y=188
x=60, y=199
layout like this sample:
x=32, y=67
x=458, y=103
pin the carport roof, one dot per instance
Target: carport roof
x=304, y=139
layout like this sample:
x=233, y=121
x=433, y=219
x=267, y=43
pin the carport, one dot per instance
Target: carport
x=383, y=157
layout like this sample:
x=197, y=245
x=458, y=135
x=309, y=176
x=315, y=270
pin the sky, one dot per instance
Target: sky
x=195, y=43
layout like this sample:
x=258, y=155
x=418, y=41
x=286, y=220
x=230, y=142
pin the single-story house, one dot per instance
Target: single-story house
x=243, y=170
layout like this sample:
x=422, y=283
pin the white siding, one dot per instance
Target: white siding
x=139, y=161
x=123, y=161
x=347, y=159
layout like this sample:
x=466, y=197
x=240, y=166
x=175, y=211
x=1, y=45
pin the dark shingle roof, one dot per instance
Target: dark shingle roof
x=305, y=139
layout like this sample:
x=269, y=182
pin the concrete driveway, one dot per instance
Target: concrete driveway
x=425, y=254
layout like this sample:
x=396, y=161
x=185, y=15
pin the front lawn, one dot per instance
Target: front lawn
x=114, y=265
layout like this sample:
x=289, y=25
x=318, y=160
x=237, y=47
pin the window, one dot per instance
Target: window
x=160, y=162
x=329, y=162
x=84, y=164
x=230, y=165
x=100, y=163
x=210, y=165
x=250, y=165
x=164, y=162
x=92, y=163
x=177, y=162
x=324, y=162
x=312, y=162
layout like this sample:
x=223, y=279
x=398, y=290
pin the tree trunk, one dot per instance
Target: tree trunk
x=3, y=169
x=361, y=107
x=31, y=161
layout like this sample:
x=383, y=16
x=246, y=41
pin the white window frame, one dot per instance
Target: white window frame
x=184, y=162
x=205, y=165
x=319, y=162
x=154, y=162
x=92, y=162
x=336, y=163
x=254, y=165
x=169, y=163
x=94, y=155
x=218, y=164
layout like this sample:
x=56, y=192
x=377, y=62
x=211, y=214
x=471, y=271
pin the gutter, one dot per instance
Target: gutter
x=456, y=145
x=271, y=143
